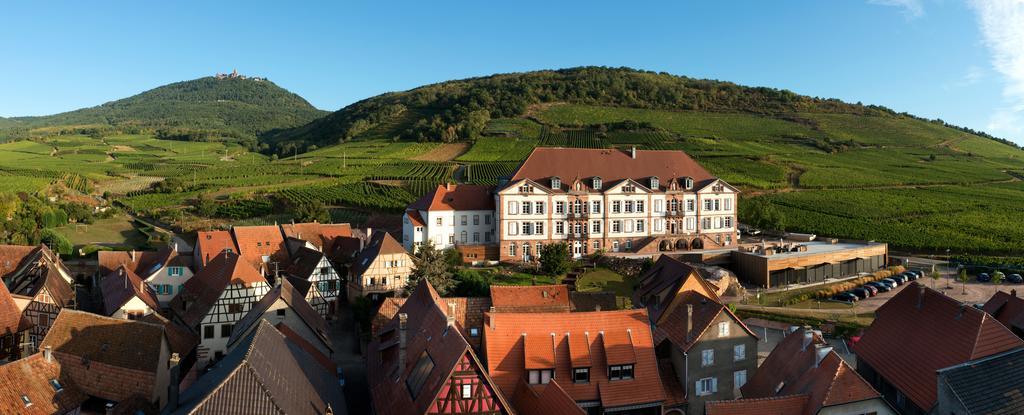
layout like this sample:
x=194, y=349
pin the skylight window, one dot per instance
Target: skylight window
x=56, y=385
x=26, y=401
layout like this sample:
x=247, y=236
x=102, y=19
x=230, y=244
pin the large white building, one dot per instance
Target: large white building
x=636, y=201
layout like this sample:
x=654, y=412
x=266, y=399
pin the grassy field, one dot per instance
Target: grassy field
x=117, y=231
x=603, y=279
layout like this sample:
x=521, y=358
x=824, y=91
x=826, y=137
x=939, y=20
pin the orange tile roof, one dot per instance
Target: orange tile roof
x=255, y=242
x=782, y=405
x=30, y=377
x=618, y=347
x=205, y=287
x=544, y=400
x=13, y=257
x=579, y=350
x=11, y=319
x=933, y=331
x=212, y=243
x=321, y=235
x=610, y=165
x=539, y=351
x=456, y=197
x=508, y=353
x=530, y=298
x=415, y=218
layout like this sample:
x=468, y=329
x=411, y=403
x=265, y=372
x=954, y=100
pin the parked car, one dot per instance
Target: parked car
x=1015, y=278
x=892, y=283
x=984, y=277
x=871, y=288
x=861, y=293
x=902, y=278
x=913, y=275
x=846, y=296
x=1002, y=277
x=898, y=279
x=880, y=286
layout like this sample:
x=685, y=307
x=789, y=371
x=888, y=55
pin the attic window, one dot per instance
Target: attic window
x=416, y=379
x=597, y=183
x=654, y=183
x=556, y=183
x=259, y=243
x=56, y=385
x=688, y=182
x=26, y=401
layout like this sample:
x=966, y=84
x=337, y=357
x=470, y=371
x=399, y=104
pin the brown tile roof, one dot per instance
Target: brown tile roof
x=469, y=314
x=456, y=197
x=530, y=298
x=675, y=393
x=212, y=243
x=382, y=243
x=782, y=405
x=544, y=400
x=793, y=369
x=672, y=276
x=1008, y=309
x=116, y=342
x=181, y=340
x=508, y=337
x=41, y=269
x=268, y=374
x=204, y=288
x=415, y=218
x=255, y=242
x=321, y=235
x=308, y=347
x=428, y=335
x=610, y=165
x=673, y=326
x=385, y=313
x=298, y=304
x=30, y=377
x=11, y=318
x=934, y=332
x=121, y=285
x=304, y=263
x=592, y=301
x=14, y=257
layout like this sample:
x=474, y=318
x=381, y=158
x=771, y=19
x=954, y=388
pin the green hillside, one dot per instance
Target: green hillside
x=206, y=107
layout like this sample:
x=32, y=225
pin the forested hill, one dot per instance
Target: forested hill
x=459, y=110
x=243, y=108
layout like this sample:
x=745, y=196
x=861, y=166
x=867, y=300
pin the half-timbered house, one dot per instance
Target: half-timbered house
x=311, y=265
x=164, y=270
x=382, y=268
x=216, y=299
x=285, y=304
x=262, y=246
x=41, y=286
x=420, y=363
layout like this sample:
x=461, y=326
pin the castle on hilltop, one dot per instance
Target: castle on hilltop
x=235, y=75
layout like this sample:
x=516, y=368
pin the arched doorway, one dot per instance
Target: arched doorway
x=697, y=244
x=681, y=244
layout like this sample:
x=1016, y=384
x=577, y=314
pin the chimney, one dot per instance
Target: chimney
x=808, y=338
x=820, y=351
x=142, y=286
x=632, y=152
x=174, y=388
x=403, y=320
x=490, y=317
x=689, y=320
x=448, y=186
x=597, y=307
x=48, y=354
x=133, y=255
x=451, y=314
x=920, y=296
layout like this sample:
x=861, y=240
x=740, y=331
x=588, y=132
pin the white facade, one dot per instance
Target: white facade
x=216, y=327
x=168, y=281
x=133, y=309
x=447, y=228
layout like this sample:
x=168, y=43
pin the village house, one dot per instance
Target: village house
x=209, y=244
x=315, y=235
x=606, y=200
x=284, y=304
x=40, y=285
x=453, y=216
x=263, y=247
x=530, y=298
x=268, y=373
x=1008, y=309
x=804, y=374
x=111, y=359
x=603, y=360
x=216, y=299
x=419, y=363
x=468, y=313
x=382, y=268
x=126, y=295
x=930, y=331
x=990, y=385
x=37, y=385
x=322, y=284
x=15, y=328
x=165, y=271
x=180, y=339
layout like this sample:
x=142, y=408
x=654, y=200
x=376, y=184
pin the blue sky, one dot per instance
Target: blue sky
x=959, y=60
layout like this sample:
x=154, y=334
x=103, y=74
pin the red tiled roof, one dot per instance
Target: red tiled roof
x=12, y=257
x=792, y=369
x=30, y=377
x=782, y=405
x=469, y=314
x=321, y=235
x=1007, y=308
x=205, y=287
x=212, y=243
x=539, y=351
x=415, y=218
x=673, y=326
x=11, y=319
x=508, y=353
x=117, y=342
x=456, y=197
x=385, y=313
x=610, y=165
x=933, y=331
x=180, y=338
x=255, y=242
x=121, y=285
x=530, y=298
x=544, y=400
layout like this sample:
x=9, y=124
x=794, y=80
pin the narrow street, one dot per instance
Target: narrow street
x=350, y=361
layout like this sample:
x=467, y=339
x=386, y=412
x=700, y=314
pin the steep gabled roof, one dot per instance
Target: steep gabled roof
x=544, y=400
x=610, y=165
x=204, y=288
x=123, y=343
x=530, y=298
x=990, y=385
x=142, y=263
x=794, y=368
x=11, y=318
x=1008, y=309
x=934, y=332
x=673, y=326
x=456, y=197
x=321, y=235
x=212, y=243
x=255, y=242
x=514, y=341
x=382, y=243
x=40, y=269
x=121, y=285
x=180, y=339
x=433, y=350
x=672, y=276
x=14, y=258
x=266, y=374
x=295, y=300
x=30, y=377
x=304, y=262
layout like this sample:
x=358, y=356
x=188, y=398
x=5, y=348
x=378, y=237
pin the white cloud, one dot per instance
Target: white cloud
x=1002, y=27
x=972, y=75
x=912, y=9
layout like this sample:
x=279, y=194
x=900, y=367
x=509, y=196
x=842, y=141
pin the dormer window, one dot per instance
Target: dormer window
x=581, y=375
x=620, y=372
x=654, y=183
x=541, y=376
x=556, y=183
x=689, y=183
x=25, y=400
x=526, y=188
x=597, y=183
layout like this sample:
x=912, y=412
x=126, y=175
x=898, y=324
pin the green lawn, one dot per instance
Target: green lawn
x=116, y=231
x=603, y=279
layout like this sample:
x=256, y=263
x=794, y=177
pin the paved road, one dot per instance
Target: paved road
x=350, y=361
